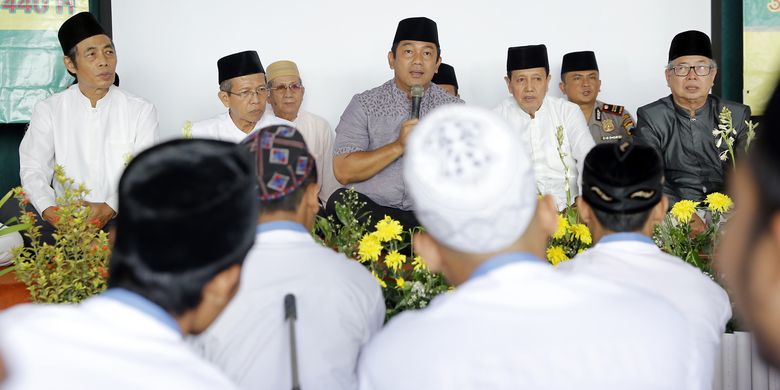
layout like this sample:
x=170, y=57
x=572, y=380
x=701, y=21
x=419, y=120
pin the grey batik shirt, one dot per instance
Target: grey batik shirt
x=372, y=120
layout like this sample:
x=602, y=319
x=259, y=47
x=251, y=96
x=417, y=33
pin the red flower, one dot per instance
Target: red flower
x=102, y=271
x=95, y=222
x=105, y=247
x=25, y=201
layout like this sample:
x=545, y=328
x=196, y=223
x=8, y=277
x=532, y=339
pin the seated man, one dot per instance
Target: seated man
x=445, y=78
x=243, y=91
x=339, y=303
x=580, y=82
x=169, y=277
x=552, y=128
x=371, y=137
x=513, y=322
x=680, y=125
x=287, y=92
x=92, y=129
x=622, y=201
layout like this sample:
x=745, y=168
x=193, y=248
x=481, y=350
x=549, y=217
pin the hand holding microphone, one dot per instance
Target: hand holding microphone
x=408, y=125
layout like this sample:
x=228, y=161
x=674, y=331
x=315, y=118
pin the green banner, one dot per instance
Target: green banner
x=31, y=66
x=761, y=40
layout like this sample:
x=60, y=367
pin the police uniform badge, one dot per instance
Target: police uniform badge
x=608, y=125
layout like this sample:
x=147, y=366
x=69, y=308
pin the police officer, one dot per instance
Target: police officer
x=581, y=84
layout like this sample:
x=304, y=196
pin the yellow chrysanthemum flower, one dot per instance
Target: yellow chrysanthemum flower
x=399, y=283
x=582, y=233
x=388, y=229
x=394, y=260
x=556, y=254
x=369, y=248
x=381, y=282
x=718, y=202
x=683, y=210
x=419, y=264
x=563, y=227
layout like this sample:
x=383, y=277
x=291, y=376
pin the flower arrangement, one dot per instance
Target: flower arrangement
x=386, y=251
x=72, y=269
x=725, y=135
x=676, y=236
x=569, y=239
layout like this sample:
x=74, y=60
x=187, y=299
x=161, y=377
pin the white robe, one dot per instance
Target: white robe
x=704, y=304
x=222, y=128
x=527, y=326
x=539, y=137
x=100, y=344
x=319, y=138
x=93, y=144
x=339, y=307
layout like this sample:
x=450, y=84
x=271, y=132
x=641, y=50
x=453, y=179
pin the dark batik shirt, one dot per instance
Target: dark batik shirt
x=693, y=167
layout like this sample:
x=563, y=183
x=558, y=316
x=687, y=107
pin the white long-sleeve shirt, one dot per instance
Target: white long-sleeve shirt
x=93, y=144
x=319, y=138
x=339, y=307
x=539, y=135
x=523, y=325
x=635, y=260
x=102, y=343
x=222, y=128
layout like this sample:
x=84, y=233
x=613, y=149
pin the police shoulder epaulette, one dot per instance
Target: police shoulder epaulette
x=613, y=108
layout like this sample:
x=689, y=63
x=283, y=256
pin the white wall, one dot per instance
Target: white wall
x=168, y=49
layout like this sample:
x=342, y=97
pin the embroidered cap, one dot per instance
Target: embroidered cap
x=623, y=177
x=282, y=160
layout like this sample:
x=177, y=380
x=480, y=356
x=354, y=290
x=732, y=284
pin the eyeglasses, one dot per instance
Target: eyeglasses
x=260, y=91
x=684, y=70
x=281, y=88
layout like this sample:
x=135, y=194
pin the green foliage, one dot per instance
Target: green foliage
x=72, y=269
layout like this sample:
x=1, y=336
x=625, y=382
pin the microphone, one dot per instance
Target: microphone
x=290, y=314
x=417, y=92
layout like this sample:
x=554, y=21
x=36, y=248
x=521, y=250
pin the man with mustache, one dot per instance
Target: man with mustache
x=680, y=126
x=580, y=82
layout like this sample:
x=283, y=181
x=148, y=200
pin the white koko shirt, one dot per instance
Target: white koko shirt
x=519, y=324
x=93, y=144
x=339, y=308
x=634, y=259
x=539, y=135
x=222, y=128
x=319, y=137
x=116, y=340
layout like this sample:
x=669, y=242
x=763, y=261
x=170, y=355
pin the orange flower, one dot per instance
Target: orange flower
x=102, y=271
x=95, y=222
